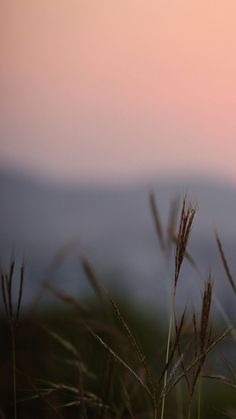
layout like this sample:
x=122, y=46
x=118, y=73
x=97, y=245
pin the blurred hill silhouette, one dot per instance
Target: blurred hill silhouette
x=113, y=227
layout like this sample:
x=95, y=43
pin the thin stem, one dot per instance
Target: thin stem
x=199, y=398
x=168, y=352
x=179, y=400
x=189, y=409
x=155, y=412
x=13, y=342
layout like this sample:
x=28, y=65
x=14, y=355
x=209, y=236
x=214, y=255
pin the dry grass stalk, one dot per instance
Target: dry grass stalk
x=121, y=361
x=134, y=343
x=229, y=413
x=225, y=263
x=218, y=304
x=222, y=378
x=157, y=220
x=127, y=402
x=171, y=376
x=103, y=296
x=67, y=298
x=180, y=352
x=206, y=305
x=42, y=395
x=198, y=359
x=70, y=300
x=186, y=219
x=106, y=384
x=12, y=316
x=205, y=337
x=93, y=281
x=178, y=330
x=187, y=256
x=201, y=344
x=172, y=221
x=49, y=388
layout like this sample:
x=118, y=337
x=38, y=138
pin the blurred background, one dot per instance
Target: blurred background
x=100, y=102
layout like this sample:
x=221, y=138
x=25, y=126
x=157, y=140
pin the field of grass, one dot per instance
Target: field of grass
x=105, y=357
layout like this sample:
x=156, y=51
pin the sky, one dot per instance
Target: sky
x=107, y=90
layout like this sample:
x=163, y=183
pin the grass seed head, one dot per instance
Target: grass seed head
x=186, y=220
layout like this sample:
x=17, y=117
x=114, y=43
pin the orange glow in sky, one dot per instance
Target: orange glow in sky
x=106, y=89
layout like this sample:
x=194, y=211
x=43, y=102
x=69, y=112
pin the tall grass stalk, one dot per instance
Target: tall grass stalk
x=165, y=249
x=199, y=398
x=13, y=317
x=13, y=345
x=185, y=224
x=171, y=318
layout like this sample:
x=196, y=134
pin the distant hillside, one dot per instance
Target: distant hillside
x=112, y=226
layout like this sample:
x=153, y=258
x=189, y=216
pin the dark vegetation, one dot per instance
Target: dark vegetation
x=106, y=357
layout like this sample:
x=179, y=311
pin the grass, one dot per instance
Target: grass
x=106, y=358
x=13, y=318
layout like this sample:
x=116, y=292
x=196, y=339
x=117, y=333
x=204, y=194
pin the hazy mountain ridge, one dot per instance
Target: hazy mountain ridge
x=112, y=226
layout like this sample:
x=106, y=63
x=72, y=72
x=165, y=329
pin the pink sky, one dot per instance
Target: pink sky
x=107, y=89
